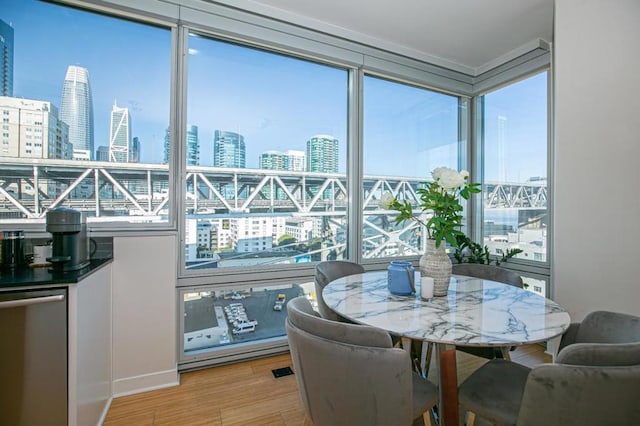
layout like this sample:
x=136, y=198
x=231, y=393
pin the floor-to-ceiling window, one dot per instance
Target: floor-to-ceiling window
x=515, y=171
x=408, y=131
x=269, y=185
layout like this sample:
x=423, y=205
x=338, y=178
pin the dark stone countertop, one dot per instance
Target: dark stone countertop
x=41, y=276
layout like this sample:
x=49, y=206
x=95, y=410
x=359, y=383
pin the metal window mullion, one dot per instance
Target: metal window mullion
x=177, y=126
x=476, y=165
x=355, y=169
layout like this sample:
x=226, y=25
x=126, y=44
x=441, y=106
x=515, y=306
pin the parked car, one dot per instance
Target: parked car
x=279, y=302
x=243, y=328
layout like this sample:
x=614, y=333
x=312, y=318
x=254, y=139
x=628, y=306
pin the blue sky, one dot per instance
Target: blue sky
x=275, y=102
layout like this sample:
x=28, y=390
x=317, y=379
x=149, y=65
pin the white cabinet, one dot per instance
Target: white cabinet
x=90, y=348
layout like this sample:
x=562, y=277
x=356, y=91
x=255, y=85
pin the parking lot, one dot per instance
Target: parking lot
x=200, y=315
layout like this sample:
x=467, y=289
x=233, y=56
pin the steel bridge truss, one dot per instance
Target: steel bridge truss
x=140, y=192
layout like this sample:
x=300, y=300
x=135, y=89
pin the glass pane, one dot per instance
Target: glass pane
x=266, y=145
x=408, y=132
x=83, y=102
x=216, y=319
x=535, y=285
x=515, y=169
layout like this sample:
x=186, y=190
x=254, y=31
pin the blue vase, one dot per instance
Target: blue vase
x=400, y=278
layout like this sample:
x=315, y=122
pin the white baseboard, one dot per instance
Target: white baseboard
x=145, y=383
x=105, y=411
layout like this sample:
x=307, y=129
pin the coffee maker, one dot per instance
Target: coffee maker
x=70, y=251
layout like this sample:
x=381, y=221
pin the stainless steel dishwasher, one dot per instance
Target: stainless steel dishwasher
x=33, y=357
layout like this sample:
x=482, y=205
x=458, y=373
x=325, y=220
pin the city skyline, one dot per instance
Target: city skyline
x=263, y=96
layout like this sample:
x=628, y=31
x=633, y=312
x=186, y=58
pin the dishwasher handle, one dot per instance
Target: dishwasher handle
x=31, y=301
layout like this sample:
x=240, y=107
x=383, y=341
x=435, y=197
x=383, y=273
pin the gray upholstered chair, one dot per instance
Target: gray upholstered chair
x=604, y=343
x=488, y=272
x=350, y=374
x=603, y=327
x=326, y=272
x=561, y=395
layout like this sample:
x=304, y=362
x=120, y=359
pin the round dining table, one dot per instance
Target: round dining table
x=475, y=312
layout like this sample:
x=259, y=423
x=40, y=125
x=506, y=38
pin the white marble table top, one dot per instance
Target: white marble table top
x=475, y=312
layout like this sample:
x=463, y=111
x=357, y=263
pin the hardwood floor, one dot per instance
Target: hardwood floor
x=247, y=394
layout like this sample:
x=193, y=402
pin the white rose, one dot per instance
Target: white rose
x=450, y=179
x=386, y=200
x=464, y=174
x=437, y=172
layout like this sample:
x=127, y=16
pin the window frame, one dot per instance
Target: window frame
x=220, y=21
x=536, y=64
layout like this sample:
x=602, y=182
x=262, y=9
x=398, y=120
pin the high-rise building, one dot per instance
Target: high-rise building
x=32, y=129
x=6, y=59
x=274, y=160
x=119, y=135
x=77, y=111
x=102, y=153
x=296, y=160
x=193, y=146
x=165, y=158
x=134, y=156
x=228, y=150
x=322, y=154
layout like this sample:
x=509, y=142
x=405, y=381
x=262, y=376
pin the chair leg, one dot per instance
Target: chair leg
x=505, y=353
x=427, y=352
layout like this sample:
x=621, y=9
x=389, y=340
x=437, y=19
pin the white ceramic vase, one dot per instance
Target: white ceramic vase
x=435, y=263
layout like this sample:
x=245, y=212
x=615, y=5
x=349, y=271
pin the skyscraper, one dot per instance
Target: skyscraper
x=119, y=135
x=274, y=160
x=165, y=159
x=228, y=150
x=193, y=146
x=296, y=160
x=6, y=59
x=33, y=130
x=102, y=153
x=77, y=111
x=134, y=155
x=322, y=154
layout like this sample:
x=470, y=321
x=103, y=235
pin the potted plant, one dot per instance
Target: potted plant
x=440, y=199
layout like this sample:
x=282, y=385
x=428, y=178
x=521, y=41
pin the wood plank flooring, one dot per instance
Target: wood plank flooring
x=246, y=393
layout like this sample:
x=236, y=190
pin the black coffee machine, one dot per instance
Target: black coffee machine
x=70, y=251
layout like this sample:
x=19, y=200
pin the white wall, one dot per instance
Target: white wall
x=597, y=156
x=144, y=314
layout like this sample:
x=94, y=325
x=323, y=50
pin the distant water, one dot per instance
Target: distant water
x=502, y=217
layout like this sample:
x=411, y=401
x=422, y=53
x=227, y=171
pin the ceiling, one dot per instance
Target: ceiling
x=470, y=36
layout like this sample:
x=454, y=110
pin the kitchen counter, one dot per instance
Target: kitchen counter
x=42, y=277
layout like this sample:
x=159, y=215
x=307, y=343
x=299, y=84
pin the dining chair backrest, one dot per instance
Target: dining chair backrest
x=560, y=394
x=301, y=314
x=488, y=272
x=348, y=374
x=326, y=272
x=600, y=354
x=603, y=327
